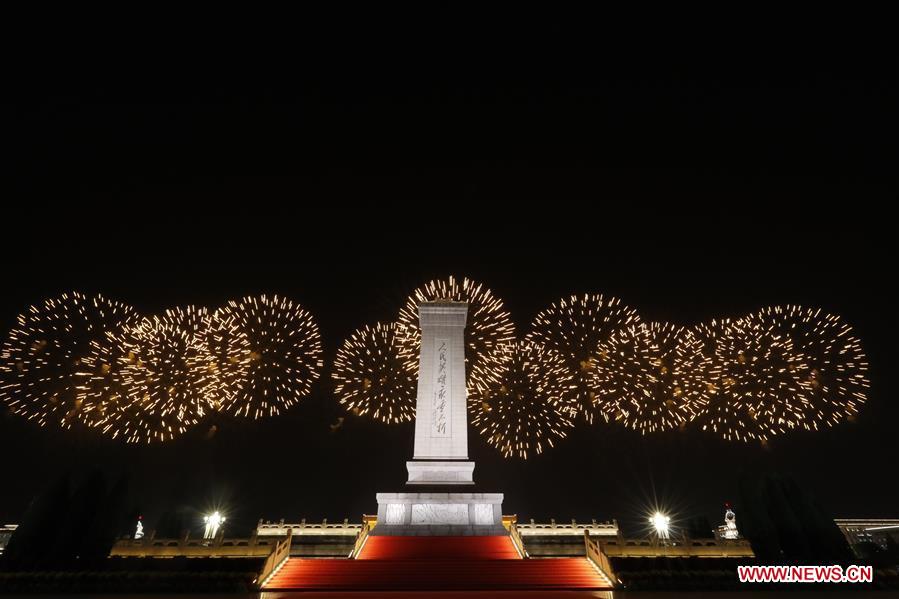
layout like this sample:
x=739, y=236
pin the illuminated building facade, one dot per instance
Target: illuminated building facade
x=5, y=533
x=869, y=530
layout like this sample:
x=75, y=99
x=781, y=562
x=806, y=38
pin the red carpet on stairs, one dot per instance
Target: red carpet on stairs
x=436, y=563
x=438, y=548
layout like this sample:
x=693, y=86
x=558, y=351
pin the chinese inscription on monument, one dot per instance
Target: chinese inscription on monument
x=441, y=423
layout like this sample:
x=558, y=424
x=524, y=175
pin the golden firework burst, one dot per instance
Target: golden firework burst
x=758, y=380
x=489, y=326
x=835, y=366
x=575, y=328
x=653, y=377
x=371, y=376
x=529, y=409
x=281, y=345
x=152, y=380
x=41, y=361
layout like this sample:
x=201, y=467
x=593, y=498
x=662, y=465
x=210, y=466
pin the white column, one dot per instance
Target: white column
x=441, y=415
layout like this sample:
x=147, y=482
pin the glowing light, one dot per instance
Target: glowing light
x=213, y=522
x=660, y=523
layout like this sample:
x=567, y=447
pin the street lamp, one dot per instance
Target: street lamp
x=660, y=523
x=213, y=522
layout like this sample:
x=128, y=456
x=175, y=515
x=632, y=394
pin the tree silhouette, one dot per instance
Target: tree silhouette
x=31, y=546
x=784, y=523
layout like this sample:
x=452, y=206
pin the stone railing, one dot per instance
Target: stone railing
x=710, y=548
x=273, y=562
x=151, y=546
x=361, y=538
x=600, y=561
x=574, y=528
x=516, y=540
x=306, y=528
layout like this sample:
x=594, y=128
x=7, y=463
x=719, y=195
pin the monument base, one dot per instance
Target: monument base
x=440, y=472
x=440, y=514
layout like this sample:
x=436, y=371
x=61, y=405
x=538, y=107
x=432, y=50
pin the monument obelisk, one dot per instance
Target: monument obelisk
x=444, y=501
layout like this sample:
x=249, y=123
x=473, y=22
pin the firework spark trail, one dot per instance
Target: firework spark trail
x=488, y=327
x=162, y=366
x=758, y=390
x=529, y=409
x=371, y=376
x=653, y=376
x=230, y=356
x=41, y=359
x=574, y=328
x=87, y=359
x=284, y=359
x=781, y=369
x=835, y=366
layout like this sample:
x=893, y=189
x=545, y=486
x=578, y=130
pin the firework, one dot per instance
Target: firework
x=41, y=359
x=90, y=360
x=371, y=376
x=574, y=328
x=653, y=376
x=230, y=356
x=283, y=355
x=757, y=389
x=488, y=328
x=835, y=365
x=107, y=388
x=152, y=380
x=529, y=408
x=176, y=352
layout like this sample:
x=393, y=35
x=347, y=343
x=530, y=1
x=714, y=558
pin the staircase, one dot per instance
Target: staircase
x=438, y=548
x=437, y=563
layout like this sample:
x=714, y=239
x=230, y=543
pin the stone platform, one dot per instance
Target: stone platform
x=432, y=472
x=440, y=514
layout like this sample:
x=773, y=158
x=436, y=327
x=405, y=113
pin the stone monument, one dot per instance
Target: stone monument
x=441, y=498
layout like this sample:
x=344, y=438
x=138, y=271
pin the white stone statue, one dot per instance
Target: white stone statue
x=139, y=531
x=730, y=524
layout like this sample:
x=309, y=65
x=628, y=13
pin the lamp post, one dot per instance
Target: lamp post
x=660, y=522
x=213, y=522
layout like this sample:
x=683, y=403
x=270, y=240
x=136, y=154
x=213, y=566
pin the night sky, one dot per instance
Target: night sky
x=691, y=182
